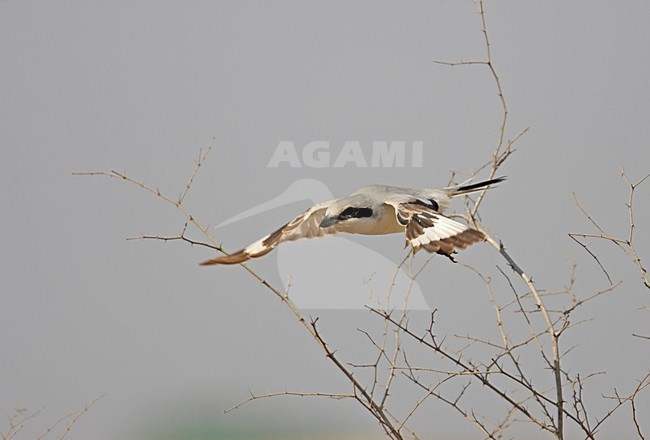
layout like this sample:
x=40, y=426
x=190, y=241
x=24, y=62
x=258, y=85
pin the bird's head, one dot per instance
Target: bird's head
x=348, y=210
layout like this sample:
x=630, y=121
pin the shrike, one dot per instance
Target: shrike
x=378, y=210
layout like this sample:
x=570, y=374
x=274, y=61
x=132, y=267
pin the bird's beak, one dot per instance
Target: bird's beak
x=327, y=222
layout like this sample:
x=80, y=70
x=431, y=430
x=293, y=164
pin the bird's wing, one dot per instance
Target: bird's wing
x=306, y=225
x=428, y=229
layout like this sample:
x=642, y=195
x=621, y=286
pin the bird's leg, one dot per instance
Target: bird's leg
x=451, y=256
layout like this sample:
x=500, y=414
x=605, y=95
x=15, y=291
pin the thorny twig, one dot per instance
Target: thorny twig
x=624, y=244
x=631, y=398
x=17, y=421
x=252, y=397
x=20, y=416
x=499, y=156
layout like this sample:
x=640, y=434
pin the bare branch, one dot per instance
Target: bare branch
x=199, y=162
x=626, y=245
x=17, y=421
x=180, y=237
x=553, y=334
x=500, y=154
x=622, y=400
x=75, y=417
x=290, y=393
x=586, y=248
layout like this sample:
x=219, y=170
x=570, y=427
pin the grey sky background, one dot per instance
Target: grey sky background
x=141, y=86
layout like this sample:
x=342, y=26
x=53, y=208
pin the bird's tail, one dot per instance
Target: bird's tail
x=463, y=189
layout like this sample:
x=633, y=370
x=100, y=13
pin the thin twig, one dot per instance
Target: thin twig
x=202, y=156
x=290, y=393
x=626, y=245
x=75, y=418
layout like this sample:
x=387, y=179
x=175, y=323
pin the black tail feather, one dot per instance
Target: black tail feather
x=467, y=189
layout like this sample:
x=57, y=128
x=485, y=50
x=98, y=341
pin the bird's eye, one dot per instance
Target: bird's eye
x=352, y=212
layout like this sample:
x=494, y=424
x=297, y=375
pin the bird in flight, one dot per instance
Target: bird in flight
x=378, y=210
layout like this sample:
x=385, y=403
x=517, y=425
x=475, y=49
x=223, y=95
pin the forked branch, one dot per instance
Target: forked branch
x=627, y=244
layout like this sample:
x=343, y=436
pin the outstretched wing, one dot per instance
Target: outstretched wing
x=426, y=228
x=306, y=225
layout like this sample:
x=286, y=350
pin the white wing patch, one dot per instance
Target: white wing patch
x=442, y=227
x=306, y=225
x=428, y=229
